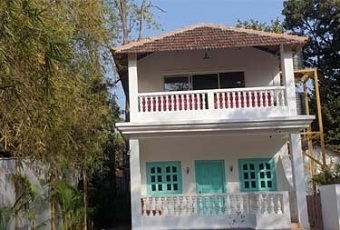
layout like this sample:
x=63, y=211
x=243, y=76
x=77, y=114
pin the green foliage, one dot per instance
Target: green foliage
x=25, y=197
x=23, y=207
x=53, y=91
x=274, y=26
x=5, y=216
x=329, y=176
x=56, y=103
x=71, y=209
x=320, y=20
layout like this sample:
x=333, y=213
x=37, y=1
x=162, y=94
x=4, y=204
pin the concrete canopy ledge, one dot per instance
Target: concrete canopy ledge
x=277, y=124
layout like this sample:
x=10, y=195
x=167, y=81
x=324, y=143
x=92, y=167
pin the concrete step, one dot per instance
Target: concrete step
x=295, y=226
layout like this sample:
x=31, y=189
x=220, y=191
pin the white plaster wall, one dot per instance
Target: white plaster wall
x=229, y=148
x=330, y=205
x=40, y=206
x=261, y=68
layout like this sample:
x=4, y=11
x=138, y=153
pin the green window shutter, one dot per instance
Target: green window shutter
x=164, y=177
x=257, y=174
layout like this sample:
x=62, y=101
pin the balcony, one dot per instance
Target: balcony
x=232, y=210
x=236, y=103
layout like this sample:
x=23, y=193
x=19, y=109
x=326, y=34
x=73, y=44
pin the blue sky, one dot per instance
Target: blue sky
x=180, y=13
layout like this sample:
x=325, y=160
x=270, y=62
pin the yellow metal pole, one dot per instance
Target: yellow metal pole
x=318, y=105
x=306, y=100
x=313, y=159
x=312, y=164
x=313, y=169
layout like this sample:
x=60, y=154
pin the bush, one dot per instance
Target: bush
x=328, y=176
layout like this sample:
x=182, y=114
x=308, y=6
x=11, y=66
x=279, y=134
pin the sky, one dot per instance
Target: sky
x=180, y=13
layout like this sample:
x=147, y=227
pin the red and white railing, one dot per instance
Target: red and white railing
x=202, y=100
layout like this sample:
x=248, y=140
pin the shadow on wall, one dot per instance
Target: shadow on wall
x=30, y=205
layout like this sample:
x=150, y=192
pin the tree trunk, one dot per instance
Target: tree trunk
x=141, y=20
x=53, y=204
x=122, y=5
x=85, y=198
x=17, y=192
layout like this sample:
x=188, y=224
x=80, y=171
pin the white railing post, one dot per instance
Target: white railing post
x=250, y=99
x=271, y=203
x=233, y=99
x=204, y=104
x=239, y=99
x=188, y=207
x=168, y=205
x=144, y=202
x=244, y=198
x=261, y=98
x=211, y=100
x=140, y=102
x=266, y=98
x=271, y=98
x=163, y=205
x=156, y=104
x=194, y=205
x=280, y=205
x=255, y=99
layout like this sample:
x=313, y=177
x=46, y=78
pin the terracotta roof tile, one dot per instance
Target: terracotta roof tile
x=209, y=36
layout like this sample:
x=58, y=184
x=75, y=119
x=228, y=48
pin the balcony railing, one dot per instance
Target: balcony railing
x=268, y=210
x=219, y=103
x=274, y=203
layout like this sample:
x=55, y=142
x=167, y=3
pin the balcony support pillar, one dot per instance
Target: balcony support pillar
x=299, y=179
x=133, y=86
x=286, y=56
x=135, y=186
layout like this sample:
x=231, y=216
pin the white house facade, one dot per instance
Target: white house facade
x=211, y=110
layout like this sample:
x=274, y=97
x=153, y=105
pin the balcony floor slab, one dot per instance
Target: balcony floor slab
x=275, y=124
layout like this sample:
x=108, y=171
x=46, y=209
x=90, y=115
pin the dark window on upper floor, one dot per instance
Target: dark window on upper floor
x=232, y=80
x=176, y=83
x=204, y=81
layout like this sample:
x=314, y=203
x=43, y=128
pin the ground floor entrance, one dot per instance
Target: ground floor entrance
x=210, y=176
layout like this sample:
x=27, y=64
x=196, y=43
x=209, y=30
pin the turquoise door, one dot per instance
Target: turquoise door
x=210, y=176
x=210, y=179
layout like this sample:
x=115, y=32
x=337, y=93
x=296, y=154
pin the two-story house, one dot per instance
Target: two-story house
x=211, y=108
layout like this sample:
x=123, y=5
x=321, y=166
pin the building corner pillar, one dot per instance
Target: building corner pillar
x=135, y=186
x=133, y=86
x=299, y=179
x=287, y=68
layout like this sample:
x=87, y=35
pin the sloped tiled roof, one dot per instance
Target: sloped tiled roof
x=209, y=36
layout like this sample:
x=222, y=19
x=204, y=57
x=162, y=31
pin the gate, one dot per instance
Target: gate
x=314, y=212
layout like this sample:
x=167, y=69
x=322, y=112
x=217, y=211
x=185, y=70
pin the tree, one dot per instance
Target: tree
x=129, y=19
x=274, y=26
x=54, y=98
x=56, y=106
x=320, y=20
